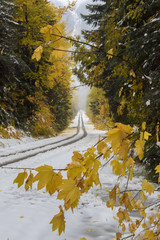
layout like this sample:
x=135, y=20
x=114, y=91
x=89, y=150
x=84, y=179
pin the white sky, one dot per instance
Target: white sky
x=65, y=2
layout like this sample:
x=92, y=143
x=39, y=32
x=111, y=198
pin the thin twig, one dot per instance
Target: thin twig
x=74, y=40
x=127, y=183
x=18, y=168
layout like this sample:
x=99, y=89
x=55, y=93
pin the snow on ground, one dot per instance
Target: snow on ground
x=10, y=145
x=26, y=215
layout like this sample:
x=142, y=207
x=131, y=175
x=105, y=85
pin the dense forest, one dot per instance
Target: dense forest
x=123, y=59
x=35, y=94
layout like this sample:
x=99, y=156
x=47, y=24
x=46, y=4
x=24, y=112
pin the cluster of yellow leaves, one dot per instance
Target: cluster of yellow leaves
x=82, y=174
x=53, y=37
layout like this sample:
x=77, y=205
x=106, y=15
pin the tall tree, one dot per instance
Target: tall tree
x=123, y=61
x=34, y=87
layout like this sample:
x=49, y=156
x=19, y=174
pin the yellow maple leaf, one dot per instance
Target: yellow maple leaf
x=158, y=171
x=139, y=147
x=37, y=53
x=47, y=178
x=115, y=137
x=124, y=199
x=90, y=162
x=75, y=170
x=103, y=149
x=112, y=194
x=123, y=227
x=149, y=234
x=120, y=91
x=69, y=192
x=147, y=186
x=132, y=73
x=100, y=146
x=110, y=204
x=130, y=165
x=43, y=176
x=77, y=157
x=110, y=53
x=29, y=181
x=92, y=177
x=132, y=227
x=20, y=178
x=124, y=128
x=123, y=215
x=143, y=196
x=58, y=221
x=47, y=31
x=116, y=166
x=146, y=135
x=123, y=150
x=53, y=185
x=118, y=236
x=143, y=126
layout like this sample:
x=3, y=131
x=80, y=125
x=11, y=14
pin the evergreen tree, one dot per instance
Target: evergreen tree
x=124, y=61
x=35, y=91
x=12, y=67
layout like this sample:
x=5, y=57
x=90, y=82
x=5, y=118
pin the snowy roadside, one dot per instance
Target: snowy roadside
x=8, y=146
x=26, y=215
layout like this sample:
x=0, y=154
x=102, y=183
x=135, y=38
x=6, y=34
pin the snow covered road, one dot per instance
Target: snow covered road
x=26, y=215
x=26, y=151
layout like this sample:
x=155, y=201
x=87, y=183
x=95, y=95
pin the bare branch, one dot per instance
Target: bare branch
x=33, y=169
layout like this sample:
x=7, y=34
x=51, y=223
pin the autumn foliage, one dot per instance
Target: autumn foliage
x=83, y=173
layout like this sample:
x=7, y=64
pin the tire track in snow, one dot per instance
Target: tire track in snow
x=46, y=147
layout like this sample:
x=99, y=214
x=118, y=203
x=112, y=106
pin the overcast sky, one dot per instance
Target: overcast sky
x=65, y=2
